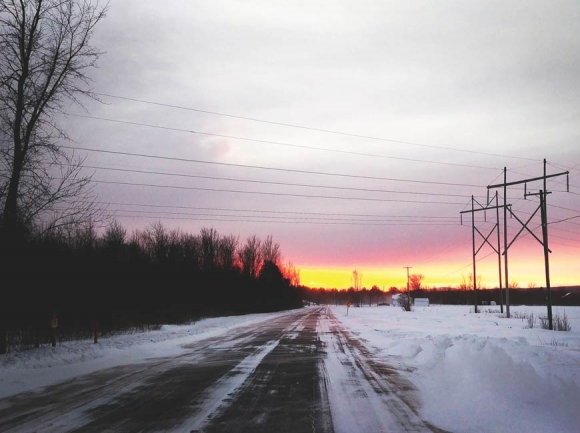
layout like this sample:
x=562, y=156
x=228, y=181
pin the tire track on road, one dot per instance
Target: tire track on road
x=365, y=396
x=132, y=397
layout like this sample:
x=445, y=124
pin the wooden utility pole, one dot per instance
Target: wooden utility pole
x=544, y=217
x=505, y=245
x=546, y=256
x=473, y=246
x=474, y=230
x=408, y=294
x=499, y=253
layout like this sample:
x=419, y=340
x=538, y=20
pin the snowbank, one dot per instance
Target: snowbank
x=479, y=372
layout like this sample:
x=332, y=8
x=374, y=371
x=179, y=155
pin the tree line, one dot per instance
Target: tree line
x=562, y=296
x=114, y=280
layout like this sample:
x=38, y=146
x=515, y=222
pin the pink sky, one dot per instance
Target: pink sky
x=342, y=128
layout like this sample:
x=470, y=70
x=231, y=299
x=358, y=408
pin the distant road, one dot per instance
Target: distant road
x=301, y=372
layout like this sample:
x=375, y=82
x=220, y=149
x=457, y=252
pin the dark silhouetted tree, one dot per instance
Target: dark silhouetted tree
x=271, y=251
x=209, y=248
x=45, y=55
x=250, y=256
x=227, y=247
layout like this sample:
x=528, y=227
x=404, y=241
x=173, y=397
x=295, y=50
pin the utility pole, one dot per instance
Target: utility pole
x=473, y=246
x=408, y=294
x=498, y=253
x=505, y=244
x=546, y=255
x=474, y=230
x=544, y=217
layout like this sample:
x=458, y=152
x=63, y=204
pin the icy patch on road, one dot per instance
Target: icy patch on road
x=226, y=387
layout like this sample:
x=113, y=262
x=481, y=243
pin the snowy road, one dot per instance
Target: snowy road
x=300, y=372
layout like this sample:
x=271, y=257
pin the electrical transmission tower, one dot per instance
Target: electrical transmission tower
x=497, y=248
x=543, y=208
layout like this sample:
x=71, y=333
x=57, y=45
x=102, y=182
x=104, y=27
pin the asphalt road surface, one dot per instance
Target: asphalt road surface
x=301, y=372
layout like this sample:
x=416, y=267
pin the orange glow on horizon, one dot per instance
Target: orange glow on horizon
x=441, y=275
x=526, y=267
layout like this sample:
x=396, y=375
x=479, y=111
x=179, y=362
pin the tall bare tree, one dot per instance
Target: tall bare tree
x=271, y=251
x=227, y=251
x=45, y=56
x=209, y=247
x=291, y=273
x=250, y=256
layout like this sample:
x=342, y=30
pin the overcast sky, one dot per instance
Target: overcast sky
x=440, y=95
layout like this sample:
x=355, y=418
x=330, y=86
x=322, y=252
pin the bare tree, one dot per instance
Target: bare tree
x=155, y=241
x=292, y=274
x=416, y=280
x=176, y=252
x=227, y=251
x=209, y=248
x=84, y=238
x=45, y=55
x=250, y=256
x=466, y=283
x=271, y=251
x=115, y=235
x=192, y=250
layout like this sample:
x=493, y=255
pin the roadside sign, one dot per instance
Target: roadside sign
x=54, y=322
x=348, y=304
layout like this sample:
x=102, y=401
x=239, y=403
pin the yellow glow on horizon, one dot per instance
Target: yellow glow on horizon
x=341, y=278
x=439, y=275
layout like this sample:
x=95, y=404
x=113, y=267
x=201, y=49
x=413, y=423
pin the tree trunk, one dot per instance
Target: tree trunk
x=11, y=205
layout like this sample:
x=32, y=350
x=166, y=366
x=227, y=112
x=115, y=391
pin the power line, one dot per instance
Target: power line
x=470, y=264
x=258, y=167
x=279, y=222
x=286, y=218
x=564, y=220
x=444, y=251
x=229, y=179
x=274, y=211
x=327, y=131
x=125, y=122
x=270, y=193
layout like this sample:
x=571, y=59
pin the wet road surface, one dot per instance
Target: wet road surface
x=301, y=372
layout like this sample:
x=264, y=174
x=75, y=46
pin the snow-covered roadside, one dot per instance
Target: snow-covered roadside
x=33, y=369
x=478, y=373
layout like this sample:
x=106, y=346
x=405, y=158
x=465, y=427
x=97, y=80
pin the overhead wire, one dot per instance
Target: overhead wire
x=287, y=218
x=125, y=122
x=275, y=211
x=418, y=223
x=327, y=131
x=270, y=193
x=228, y=179
x=258, y=167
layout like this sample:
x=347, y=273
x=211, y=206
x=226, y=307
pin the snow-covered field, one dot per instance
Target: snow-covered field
x=33, y=369
x=479, y=372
